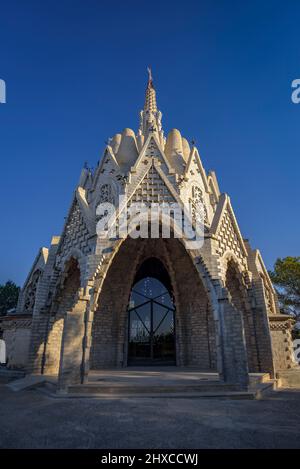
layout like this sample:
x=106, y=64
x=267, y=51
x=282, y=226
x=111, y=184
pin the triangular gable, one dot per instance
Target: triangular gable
x=136, y=178
x=152, y=149
x=85, y=179
x=259, y=260
x=194, y=167
x=213, y=184
x=152, y=188
x=108, y=165
x=153, y=182
x=167, y=183
x=162, y=180
x=38, y=264
x=77, y=225
x=224, y=220
x=67, y=221
x=85, y=210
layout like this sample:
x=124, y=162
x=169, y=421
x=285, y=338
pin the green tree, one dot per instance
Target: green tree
x=8, y=296
x=286, y=279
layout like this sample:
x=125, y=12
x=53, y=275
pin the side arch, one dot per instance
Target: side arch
x=236, y=285
x=64, y=301
x=74, y=256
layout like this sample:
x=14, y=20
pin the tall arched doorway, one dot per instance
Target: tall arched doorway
x=151, y=317
x=171, y=269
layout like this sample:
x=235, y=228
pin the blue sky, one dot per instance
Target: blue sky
x=76, y=74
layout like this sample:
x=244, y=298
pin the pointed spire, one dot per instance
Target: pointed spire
x=150, y=116
x=150, y=99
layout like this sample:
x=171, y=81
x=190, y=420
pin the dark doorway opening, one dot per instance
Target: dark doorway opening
x=151, y=317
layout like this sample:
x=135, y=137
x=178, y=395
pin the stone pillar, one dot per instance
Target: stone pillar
x=71, y=357
x=88, y=324
x=234, y=355
x=262, y=329
x=40, y=316
x=281, y=332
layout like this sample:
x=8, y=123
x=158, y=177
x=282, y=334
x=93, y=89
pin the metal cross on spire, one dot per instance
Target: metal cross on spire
x=150, y=74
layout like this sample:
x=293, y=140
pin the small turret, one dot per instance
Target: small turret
x=174, y=150
x=115, y=143
x=127, y=152
x=186, y=149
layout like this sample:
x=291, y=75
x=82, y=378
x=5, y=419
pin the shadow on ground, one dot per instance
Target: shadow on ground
x=31, y=419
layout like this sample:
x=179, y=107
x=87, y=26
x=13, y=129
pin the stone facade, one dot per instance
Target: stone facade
x=16, y=334
x=72, y=311
x=195, y=328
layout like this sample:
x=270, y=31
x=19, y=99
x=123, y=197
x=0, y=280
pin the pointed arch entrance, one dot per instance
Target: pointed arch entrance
x=194, y=324
x=151, y=316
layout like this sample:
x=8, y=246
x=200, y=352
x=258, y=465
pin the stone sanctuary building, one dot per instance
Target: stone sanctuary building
x=91, y=303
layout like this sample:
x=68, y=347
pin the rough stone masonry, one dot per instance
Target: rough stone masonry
x=72, y=313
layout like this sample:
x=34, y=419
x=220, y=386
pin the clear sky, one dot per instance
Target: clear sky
x=76, y=73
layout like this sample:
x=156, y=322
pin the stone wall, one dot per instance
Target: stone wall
x=239, y=295
x=282, y=346
x=16, y=334
x=55, y=326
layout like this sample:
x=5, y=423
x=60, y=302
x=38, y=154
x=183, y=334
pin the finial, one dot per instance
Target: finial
x=150, y=79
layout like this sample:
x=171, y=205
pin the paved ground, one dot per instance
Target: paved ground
x=30, y=419
x=151, y=376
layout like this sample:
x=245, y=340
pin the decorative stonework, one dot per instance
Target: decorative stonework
x=268, y=296
x=214, y=317
x=10, y=323
x=283, y=352
x=152, y=189
x=106, y=194
x=280, y=325
x=152, y=149
x=31, y=292
x=228, y=239
x=75, y=236
x=198, y=208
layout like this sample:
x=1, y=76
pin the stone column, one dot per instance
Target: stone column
x=40, y=316
x=71, y=357
x=88, y=324
x=234, y=355
x=262, y=329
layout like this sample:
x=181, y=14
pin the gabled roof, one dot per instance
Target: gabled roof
x=87, y=216
x=213, y=183
x=108, y=157
x=152, y=139
x=259, y=259
x=38, y=264
x=195, y=161
x=223, y=206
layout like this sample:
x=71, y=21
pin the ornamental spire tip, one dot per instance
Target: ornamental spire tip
x=150, y=78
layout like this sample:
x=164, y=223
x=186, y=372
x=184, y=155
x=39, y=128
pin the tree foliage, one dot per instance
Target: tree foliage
x=8, y=296
x=286, y=279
